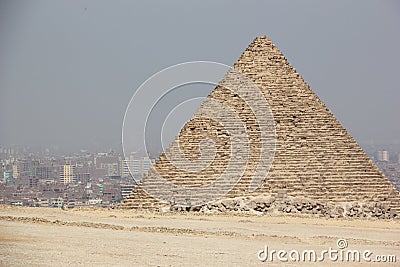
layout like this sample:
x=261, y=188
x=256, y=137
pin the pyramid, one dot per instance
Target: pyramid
x=314, y=156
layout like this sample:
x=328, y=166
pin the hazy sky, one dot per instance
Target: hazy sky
x=69, y=68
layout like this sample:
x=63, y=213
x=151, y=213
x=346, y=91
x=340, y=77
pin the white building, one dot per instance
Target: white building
x=126, y=189
x=95, y=201
x=135, y=166
x=15, y=170
x=383, y=155
x=56, y=202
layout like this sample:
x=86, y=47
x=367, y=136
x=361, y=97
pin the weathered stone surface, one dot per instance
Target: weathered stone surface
x=299, y=206
x=317, y=166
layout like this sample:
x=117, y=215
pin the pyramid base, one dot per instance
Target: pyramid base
x=274, y=205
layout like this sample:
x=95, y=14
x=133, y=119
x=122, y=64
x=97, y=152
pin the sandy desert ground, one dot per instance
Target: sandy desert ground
x=95, y=237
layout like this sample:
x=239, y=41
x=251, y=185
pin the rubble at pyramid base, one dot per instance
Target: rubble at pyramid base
x=274, y=205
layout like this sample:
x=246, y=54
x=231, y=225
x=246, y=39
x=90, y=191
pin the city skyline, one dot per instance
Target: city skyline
x=101, y=179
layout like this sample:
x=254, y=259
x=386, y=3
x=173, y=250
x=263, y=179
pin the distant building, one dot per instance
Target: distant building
x=94, y=201
x=67, y=174
x=43, y=172
x=56, y=202
x=113, y=169
x=123, y=168
x=126, y=190
x=15, y=171
x=383, y=155
x=146, y=164
x=135, y=166
x=83, y=177
x=33, y=181
x=8, y=178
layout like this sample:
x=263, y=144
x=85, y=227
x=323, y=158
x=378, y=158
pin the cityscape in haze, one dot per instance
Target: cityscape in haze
x=45, y=179
x=102, y=179
x=69, y=69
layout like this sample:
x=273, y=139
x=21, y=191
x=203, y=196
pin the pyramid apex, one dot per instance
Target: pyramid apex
x=263, y=37
x=262, y=40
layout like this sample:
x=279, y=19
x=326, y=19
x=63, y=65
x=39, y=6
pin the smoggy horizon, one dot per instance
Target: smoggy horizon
x=69, y=69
